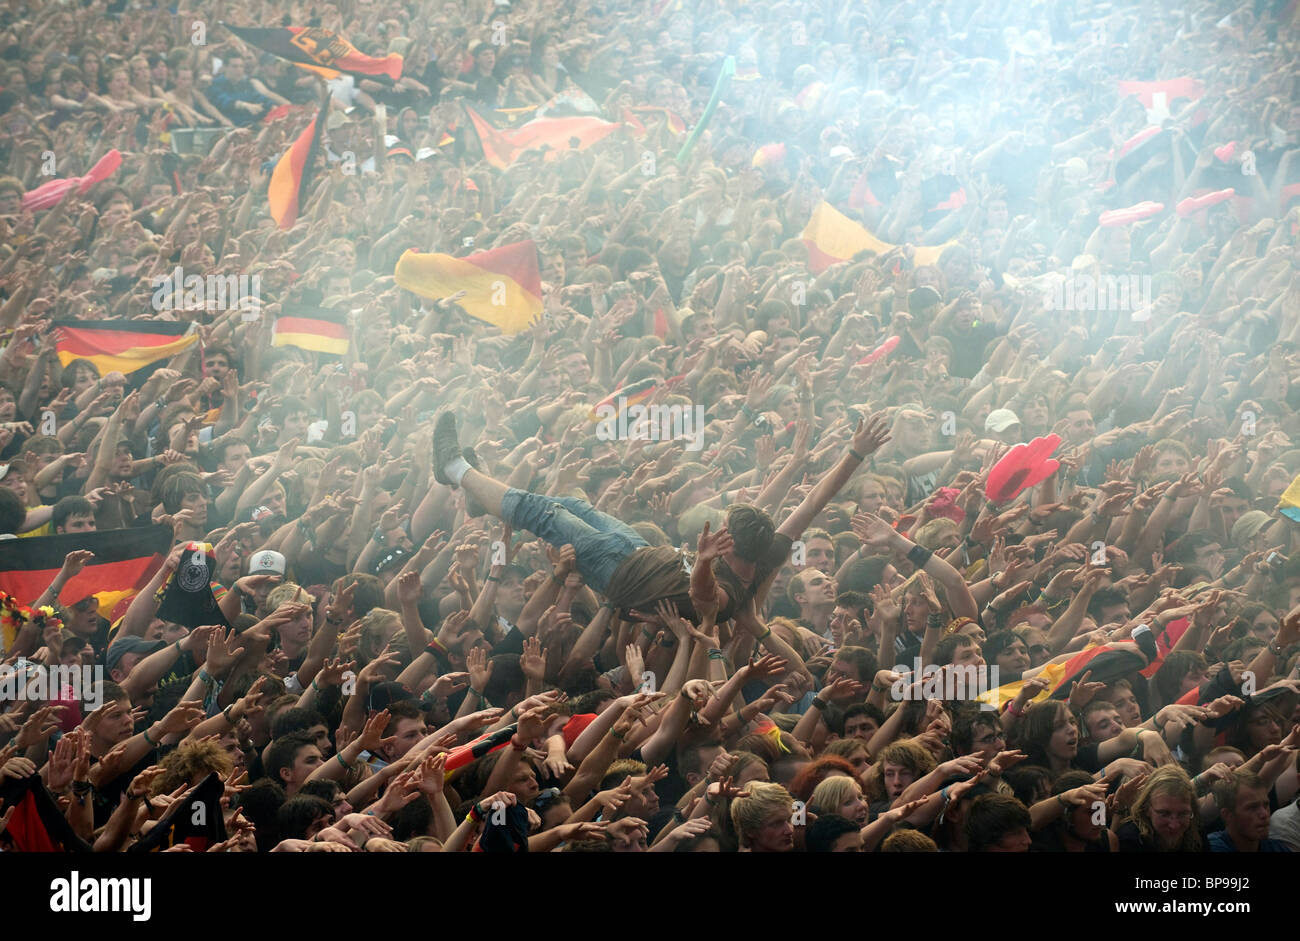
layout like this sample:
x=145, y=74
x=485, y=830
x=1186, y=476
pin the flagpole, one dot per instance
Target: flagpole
x=719, y=87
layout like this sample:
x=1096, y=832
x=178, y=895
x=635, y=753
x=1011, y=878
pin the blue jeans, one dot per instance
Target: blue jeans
x=600, y=541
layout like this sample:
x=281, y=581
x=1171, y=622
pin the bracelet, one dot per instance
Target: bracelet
x=1011, y=708
x=492, y=578
x=918, y=556
x=474, y=692
x=226, y=713
x=878, y=688
x=145, y=733
x=339, y=756
x=819, y=703
x=206, y=678
x=860, y=457
x=315, y=686
x=178, y=646
x=516, y=745
x=436, y=647
x=1065, y=805
x=621, y=736
x=82, y=787
x=514, y=713
x=763, y=636
x=476, y=813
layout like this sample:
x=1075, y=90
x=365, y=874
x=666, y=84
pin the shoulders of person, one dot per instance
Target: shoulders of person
x=1220, y=842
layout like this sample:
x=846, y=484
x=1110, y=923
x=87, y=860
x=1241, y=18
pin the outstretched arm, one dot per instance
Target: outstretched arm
x=868, y=438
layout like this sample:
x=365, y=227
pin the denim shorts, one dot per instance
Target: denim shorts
x=600, y=541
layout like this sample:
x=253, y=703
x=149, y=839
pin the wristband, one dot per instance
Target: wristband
x=492, y=578
x=1065, y=805
x=339, y=756
x=860, y=457
x=516, y=745
x=876, y=687
x=82, y=787
x=918, y=556
x=1011, y=708
x=621, y=736
x=206, y=678
x=819, y=703
x=225, y=713
x=474, y=692
x=145, y=733
x=476, y=813
x=763, y=636
x=436, y=647
x=934, y=622
x=315, y=686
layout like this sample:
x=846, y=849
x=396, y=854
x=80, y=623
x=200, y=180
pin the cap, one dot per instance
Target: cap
x=1000, y=419
x=1248, y=526
x=125, y=645
x=923, y=298
x=266, y=562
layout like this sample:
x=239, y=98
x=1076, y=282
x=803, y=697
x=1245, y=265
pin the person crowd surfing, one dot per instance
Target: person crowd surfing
x=955, y=341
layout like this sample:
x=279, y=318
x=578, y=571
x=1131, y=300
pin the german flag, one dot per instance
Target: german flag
x=312, y=328
x=125, y=560
x=552, y=136
x=833, y=237
x=37, y=824
x=292, y=174
x=675, y=124
x=322, y=51
x=632, y=394
x=502, y=286
x=196, y=819
x=120, y=345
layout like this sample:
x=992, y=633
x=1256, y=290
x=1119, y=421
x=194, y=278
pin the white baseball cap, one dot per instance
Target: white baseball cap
x=1000, y=419
x=266, y=562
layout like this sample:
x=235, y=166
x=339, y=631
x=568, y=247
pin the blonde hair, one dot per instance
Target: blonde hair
x=831, y=794
x=749, y=811
x=194, y=759
x=375, y=632
x=282, y=594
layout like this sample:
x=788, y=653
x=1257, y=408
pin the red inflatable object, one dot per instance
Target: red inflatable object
x=1196, y=203
x=881, y=351
x=1143, y=210
x=1021, y=468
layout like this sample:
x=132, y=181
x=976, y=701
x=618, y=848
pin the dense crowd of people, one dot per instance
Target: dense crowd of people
x=452, y=612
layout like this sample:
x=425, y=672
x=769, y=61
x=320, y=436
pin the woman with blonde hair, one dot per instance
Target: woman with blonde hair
x=841, y=795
